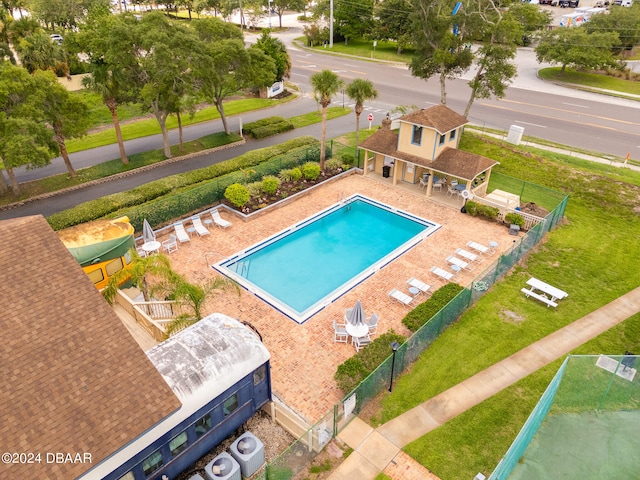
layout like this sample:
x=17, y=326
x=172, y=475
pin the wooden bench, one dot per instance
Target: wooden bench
x=542, y=298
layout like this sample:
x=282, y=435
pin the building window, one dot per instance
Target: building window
x=230, y=404
x=442, y=137
x=114, y=266
x=128, y=476
x=203, y=425
x=452, y=135
x=152, y=463
x=96, y=276
x=416, y=138
x=178, y=444
x=259, y=375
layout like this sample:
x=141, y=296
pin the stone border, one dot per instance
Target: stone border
x=122, y=175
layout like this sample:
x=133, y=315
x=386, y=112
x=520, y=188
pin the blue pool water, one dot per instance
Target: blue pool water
x=302, y=269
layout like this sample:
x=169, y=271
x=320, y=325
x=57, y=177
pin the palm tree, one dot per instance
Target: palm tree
x=157, y=265
x=360, y=91
x=325, y=85
x=193, y=297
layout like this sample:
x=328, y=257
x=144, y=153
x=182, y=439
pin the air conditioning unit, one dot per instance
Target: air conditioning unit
x=196, y=476
x=223, y=467
x=248, y=451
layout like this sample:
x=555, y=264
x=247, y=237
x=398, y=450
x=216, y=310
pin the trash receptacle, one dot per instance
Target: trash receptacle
x=386, y=171
x=514, y=229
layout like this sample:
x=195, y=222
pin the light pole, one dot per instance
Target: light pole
x=270, y=13
x=394, y=347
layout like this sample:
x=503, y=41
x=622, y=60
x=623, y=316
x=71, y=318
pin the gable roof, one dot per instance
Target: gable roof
x=74, y=379
x=439, y=117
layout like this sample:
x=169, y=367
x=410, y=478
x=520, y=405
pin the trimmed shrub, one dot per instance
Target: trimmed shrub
x=472, y=208
x=348, y=159
x=237, y=194
x=486, y=211
x=514, y=219
x=270, y=184
x=427, y=309
x=357, y=368
x=296, y=174
x=310, y=170
x=333, y=164
x=248, y=128
x=254, y=188
x=270, y=130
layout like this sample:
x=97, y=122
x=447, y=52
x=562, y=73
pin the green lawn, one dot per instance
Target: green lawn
x=149, y=126
x=387, y=51
x=590, y=80
x=583, y=256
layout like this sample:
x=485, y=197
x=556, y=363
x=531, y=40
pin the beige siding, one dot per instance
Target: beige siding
x=425, y=150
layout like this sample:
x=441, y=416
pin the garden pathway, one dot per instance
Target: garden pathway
x=377, y=450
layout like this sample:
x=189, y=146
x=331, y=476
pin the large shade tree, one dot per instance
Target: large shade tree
x=360, y=91
x=24, y=138
x=325, y=85
x=224, y=66
x=113, y=69
x=65, y=113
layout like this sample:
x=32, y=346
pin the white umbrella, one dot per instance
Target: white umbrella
x=356, y=316
x=147, y=232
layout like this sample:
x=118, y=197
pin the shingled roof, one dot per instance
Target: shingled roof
x=440, y=117
x=461, y=164
x=74, y=381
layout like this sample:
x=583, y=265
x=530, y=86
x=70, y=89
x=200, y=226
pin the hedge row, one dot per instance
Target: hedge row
x=249, y=128
x=357, y=368
x=138, y=201
x=427, y=309
x=273, y=129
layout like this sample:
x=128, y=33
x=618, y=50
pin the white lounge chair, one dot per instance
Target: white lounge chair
x=373, y=323
x=170, y=245
x=218, y=220
x=181, y=233
x=201, y=230
x=478, y=247
x=403, y=298
x=419, y=284
x=460, y=263
x=443, y=274
x=472, y=257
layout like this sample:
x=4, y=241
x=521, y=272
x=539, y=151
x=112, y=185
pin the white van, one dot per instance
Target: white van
x=572, y=20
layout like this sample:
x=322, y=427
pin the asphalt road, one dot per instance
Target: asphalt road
x=570, y=117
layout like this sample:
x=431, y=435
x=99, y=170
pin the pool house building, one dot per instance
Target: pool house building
x=422, y=148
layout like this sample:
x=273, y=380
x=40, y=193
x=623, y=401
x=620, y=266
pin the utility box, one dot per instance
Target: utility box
x=515, y=134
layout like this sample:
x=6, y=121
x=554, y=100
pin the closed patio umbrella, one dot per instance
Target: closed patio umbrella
x=355, y=315
x=147, y=232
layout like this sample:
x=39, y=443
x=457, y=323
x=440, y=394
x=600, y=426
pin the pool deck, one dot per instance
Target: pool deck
x=304, y=357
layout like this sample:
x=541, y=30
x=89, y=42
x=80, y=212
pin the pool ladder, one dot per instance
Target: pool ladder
x=242, y=268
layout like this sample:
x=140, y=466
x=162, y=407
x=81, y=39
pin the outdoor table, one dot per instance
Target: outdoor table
x=460, y=187
x=553, y=292
x=191, y=230
x=414, y=291
x=359, y=330
x=208, y=221
x=150, y=247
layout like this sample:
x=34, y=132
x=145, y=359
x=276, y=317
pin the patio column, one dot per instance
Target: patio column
x=396, y=169
x=365, y=167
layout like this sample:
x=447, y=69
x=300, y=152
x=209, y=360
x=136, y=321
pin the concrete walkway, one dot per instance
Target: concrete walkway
x=379, y=450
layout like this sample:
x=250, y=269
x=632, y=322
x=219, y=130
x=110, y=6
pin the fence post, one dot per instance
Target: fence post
x=335, y=420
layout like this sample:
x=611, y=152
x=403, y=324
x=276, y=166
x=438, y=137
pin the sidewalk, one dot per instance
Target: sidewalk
x=379, y=450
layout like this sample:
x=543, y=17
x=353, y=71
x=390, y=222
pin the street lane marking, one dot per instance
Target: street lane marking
x=533, y=124
x=575, y=105
x=567, y=111
x=565, y=120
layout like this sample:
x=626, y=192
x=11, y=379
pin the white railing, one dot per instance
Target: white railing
x=529, y=220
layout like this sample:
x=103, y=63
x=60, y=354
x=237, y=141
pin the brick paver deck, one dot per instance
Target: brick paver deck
x=304, y=357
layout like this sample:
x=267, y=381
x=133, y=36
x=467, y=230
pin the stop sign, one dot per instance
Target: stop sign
x=370, y=117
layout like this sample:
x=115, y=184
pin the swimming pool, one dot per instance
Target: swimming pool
x=304, y=268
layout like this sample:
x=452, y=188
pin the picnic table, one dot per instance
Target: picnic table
x=544, y=292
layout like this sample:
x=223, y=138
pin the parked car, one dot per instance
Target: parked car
x=553, y=3
x=56, y=38
x=569, y=3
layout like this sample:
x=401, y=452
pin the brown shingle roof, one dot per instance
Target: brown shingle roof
x=440, y=117
x=461, y=164
x=74, y=380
